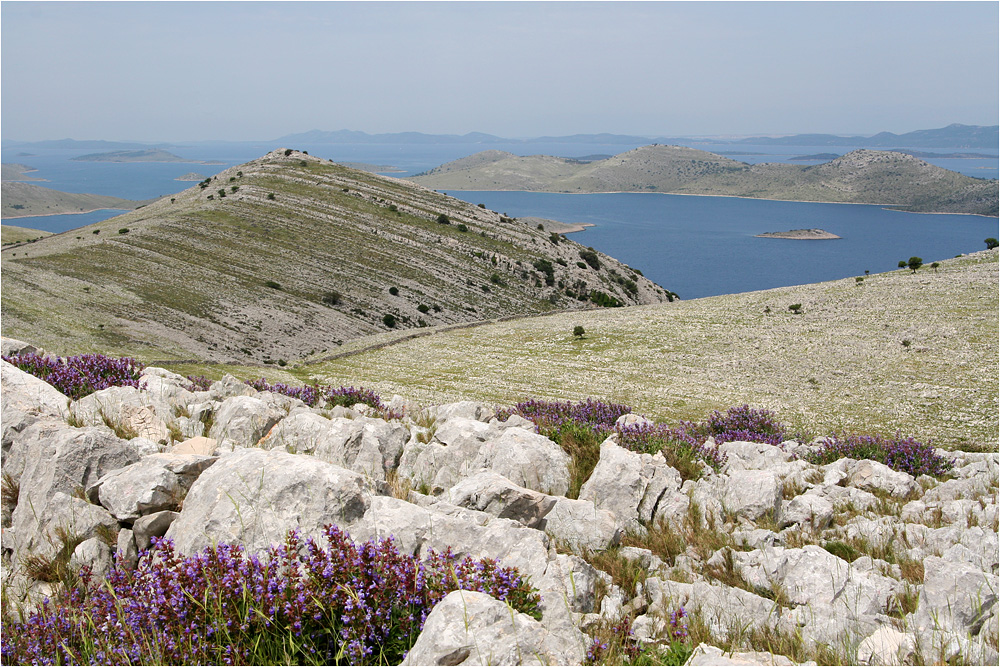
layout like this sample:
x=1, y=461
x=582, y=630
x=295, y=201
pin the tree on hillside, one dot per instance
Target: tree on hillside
x=991, y=243
x=915, y=263
x=935, y=265
x=902, y=264
x=578, y=331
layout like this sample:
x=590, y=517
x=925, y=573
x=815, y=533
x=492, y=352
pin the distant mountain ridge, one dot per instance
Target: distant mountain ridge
x=955, y=135
x=862, y=176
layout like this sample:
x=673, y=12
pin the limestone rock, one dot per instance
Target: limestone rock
x=705, y=654
x=874, y=476
x=580, y=525
x=527, y=459
x=157, y=482
x=887, y=646
x=955, y=597
x=254, y=497
x=241, y=421
x=93, y=554
x=470, y=628
x=418, y=529
x=632, y=486
x=494, y=494
x=809, y=511
x=152, y=525
x=25, y=400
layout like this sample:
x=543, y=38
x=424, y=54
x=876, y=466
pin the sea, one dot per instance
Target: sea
x=695, y=246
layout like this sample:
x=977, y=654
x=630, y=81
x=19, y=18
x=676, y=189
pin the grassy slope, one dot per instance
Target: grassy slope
x=36, y=200
x=12, y=234
x=189, y=278
x=841, y=364
x=863, y=176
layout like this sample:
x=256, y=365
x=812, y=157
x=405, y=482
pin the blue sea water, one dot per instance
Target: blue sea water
x=695, y=246
x=704, y=246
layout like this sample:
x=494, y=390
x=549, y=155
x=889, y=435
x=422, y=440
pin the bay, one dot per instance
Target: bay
x=705, y=246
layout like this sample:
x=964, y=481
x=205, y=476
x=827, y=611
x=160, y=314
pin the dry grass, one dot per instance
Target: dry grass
x=684, y=359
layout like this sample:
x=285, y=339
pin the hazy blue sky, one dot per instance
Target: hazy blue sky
x=258, y=70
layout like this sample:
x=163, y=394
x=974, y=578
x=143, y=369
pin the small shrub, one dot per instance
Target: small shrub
x=222, y=193
x=332, y=298
x=444, y=219
x=394, y=291
x=234, y=188
x=270, y=195
x=462, y=227
x=903, y=454
x=796, y=308
x=272, y=284
x=497, y=280
x=422, y=308
x=578, y=331
x=389, y=320
x=96, y=231
x=288, y=151
x=123, y=230
x=590, y=257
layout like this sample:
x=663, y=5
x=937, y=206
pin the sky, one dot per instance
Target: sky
x=243, y=71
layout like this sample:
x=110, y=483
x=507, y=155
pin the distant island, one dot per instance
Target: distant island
x=800, y=235
x=953, y=136
x=887, y=178
x=149, y=155
x=191, y=176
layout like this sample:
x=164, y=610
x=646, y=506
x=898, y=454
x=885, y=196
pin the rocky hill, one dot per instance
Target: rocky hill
x=23, y=199
x=863, y=176
x=775, y=552
x=289, y=255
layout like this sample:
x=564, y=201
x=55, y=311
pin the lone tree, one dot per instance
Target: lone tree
x=935, y=265
x=915, y=263
x=991, y=243
x=796, y=308
x=578, y=331
x=902, y=264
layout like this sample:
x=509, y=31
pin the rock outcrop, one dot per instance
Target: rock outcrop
x=849, y=554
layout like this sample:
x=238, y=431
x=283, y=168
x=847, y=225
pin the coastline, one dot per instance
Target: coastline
x=45, y=215
x=885, y=206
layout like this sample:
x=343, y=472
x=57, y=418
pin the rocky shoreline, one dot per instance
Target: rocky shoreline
x=861, y=562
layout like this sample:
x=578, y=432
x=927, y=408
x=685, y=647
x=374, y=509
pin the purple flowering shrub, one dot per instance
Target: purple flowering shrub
x=198, y=383
x=553, y=417
x=744, y=424
x=683, y=450
x=617, y=645
x=342, y=603
x=80, y=375
x=313, y=395
x=903, y=454
x=592, y=421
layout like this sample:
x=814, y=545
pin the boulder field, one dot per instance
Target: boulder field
x=880, y=566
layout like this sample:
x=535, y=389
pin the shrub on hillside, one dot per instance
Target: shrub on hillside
x=303, y=603
x=80, y=375
x=903, y=454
